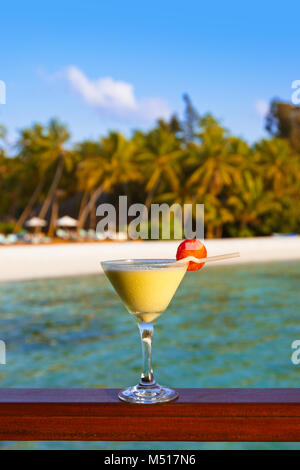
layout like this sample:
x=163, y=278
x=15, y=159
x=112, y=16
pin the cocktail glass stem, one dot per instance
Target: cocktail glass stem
x=147, y=390
x=146, y=332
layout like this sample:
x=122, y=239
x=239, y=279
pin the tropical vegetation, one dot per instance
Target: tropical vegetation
x=247, y=190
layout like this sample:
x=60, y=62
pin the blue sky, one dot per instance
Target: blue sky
x=118, y=65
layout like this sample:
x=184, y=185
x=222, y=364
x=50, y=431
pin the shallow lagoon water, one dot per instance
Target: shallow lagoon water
x=226, y=327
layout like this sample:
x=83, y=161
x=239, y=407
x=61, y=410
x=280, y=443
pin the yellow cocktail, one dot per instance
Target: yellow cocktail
x=146, y=293
x=146, y=288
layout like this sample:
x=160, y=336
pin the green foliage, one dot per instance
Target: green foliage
x=154, y=229
x=8, y=227
x=246, y=190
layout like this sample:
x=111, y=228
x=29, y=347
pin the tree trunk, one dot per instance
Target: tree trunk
x=53, y=187
x=148, y=202
x=150, y=195
x=30, y=204
x=83, y=202
x=210, y=231
x=219, y=231
x=92, y=223
x=89, y=206
x=54, y=216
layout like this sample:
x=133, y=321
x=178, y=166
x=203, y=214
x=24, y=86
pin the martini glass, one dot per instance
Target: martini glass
x=146, y=287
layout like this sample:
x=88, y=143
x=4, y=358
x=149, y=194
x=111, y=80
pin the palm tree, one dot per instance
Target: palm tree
x=33, y=168
x=110, y=162
x=216, y=216
x=54, y=152
x=42, y=148
x=218, y=160
x=5, y=164
x=159, y=155
x=277, y=163
x=85, y=151
x=252, y=203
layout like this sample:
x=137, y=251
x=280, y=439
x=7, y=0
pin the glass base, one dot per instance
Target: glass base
x=148, y=394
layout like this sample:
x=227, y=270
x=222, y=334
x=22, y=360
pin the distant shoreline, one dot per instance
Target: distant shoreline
x=25, y=262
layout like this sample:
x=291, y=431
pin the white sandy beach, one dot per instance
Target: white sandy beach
x=23, y=262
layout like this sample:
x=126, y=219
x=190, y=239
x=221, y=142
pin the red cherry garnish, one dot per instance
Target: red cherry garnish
x=192, y=247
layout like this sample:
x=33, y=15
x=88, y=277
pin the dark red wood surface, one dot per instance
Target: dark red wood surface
x=198, y=415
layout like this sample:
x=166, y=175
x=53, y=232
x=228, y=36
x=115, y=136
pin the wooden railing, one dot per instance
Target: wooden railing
x=198, y=415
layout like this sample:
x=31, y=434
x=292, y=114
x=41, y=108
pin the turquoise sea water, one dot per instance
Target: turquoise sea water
x=226, y=327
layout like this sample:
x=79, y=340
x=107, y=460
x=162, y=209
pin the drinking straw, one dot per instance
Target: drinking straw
x=209, y=258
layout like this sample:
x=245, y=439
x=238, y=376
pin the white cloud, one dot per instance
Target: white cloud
x=261, y=107
x=115, y=97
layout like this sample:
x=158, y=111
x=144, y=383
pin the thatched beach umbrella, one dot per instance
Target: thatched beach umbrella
x=36, y=222
x=66, y=221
